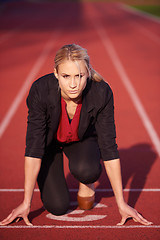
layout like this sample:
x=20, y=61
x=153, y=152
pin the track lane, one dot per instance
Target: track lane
x=90, y=40
x=143, y=67
x=121, y=108
x=53, y=228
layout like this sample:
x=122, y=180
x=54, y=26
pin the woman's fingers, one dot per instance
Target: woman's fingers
x=122, y=222
x=137, y=218
x=20, y=212
x=8, y=220
x=128, y=212
x=17, y=220
x=26, y=220
x=142, y=220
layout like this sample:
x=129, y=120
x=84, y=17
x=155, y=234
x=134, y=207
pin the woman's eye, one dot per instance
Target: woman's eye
x=79, y=76
x=66, y=76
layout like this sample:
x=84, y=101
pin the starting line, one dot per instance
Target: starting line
x=97, y=190
x=79, y=226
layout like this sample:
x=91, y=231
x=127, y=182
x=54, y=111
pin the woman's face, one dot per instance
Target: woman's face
x=72, y=77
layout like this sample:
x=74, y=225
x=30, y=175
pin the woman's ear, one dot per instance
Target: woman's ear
x=55, y=73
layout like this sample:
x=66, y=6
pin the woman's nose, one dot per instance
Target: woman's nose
x=72, y=83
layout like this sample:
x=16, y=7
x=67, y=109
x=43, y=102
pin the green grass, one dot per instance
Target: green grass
x=154, y=10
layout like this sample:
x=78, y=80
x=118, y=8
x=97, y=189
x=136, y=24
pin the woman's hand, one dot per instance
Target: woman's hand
x=128, y=212
x=21, y=211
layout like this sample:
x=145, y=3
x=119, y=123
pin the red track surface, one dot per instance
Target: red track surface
x=25, y=30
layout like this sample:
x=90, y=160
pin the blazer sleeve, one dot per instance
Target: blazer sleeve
x=36, y=124
x=105, y=128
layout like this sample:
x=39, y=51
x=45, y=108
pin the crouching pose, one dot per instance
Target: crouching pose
x=71, y=111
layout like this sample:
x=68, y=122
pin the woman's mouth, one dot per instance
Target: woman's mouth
x=73, y=92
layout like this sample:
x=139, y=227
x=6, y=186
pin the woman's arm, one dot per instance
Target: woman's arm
x=113, y=170
x=32, y=167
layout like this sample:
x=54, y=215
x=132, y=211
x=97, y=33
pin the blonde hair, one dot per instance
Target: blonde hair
x=75, y=52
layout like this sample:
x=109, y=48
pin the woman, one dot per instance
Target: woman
x=70, y=111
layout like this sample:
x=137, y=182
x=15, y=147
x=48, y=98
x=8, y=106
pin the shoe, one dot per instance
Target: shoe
x=86, y=203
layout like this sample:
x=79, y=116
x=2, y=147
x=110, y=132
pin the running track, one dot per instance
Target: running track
x=124, y=48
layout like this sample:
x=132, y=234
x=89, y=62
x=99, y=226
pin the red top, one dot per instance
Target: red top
x=68, y=132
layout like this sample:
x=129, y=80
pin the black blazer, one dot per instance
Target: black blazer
x=96, y=118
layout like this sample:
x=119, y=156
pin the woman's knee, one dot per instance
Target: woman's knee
x=56, y=208
x=86, y=174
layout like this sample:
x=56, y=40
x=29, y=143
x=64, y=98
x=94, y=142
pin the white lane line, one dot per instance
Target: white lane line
x=30, y=78
x=128, y=85
x=139, y=13
x=97, y=190
x=132, y=190
x=139, y=27
x=79, y=226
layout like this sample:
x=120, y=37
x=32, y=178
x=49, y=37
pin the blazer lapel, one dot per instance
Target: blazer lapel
x=54, y=107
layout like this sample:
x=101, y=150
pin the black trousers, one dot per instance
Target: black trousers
x=84, y=164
